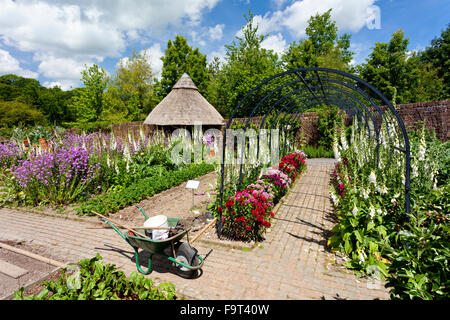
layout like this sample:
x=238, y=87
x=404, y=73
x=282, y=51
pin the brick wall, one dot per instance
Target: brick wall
x=121, y=129
x=436, y=115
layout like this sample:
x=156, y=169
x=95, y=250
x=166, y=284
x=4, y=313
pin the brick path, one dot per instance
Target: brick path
x=292, y=263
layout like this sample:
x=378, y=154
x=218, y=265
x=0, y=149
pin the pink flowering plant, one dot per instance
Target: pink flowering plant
x=279, y=180
x=264, y=187
x=247, y=215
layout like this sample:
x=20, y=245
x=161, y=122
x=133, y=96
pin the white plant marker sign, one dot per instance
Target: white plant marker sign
x=193, y=185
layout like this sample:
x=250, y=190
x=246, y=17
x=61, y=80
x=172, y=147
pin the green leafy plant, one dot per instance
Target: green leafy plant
x=318, y=152
x=94, y=280
x=420, y=259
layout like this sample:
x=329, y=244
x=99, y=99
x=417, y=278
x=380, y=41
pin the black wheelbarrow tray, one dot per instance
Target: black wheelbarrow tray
x=181, y=254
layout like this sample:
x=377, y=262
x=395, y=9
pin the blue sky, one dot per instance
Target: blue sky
x=52, y=40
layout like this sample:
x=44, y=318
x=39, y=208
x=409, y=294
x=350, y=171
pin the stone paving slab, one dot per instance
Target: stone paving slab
x=11, y=270
x=292, y=263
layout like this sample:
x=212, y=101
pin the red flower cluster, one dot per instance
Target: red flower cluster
x=291, y=165
x=247, y=214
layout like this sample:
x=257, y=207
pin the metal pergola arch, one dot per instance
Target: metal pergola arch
x=324, y=86
x=337, y=100
x=297, y=103
x=341, y=99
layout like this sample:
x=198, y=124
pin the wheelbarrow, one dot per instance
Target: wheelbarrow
x=181, y=254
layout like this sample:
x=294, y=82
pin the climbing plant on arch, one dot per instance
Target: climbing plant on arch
x=290, y=94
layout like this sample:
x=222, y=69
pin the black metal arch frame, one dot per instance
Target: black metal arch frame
x=295, y=91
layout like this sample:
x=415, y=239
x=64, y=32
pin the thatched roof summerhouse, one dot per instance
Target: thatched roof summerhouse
x=184, y=106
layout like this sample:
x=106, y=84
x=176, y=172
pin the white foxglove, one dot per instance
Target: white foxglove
x=371, y=212
x=372, y=177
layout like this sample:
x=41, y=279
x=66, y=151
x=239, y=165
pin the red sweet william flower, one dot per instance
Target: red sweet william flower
x=266, y=224
x=220, y=209
x=249, y=228
x=229, y=203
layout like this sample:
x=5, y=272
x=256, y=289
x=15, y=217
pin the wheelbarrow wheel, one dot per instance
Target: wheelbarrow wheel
x=187, y=255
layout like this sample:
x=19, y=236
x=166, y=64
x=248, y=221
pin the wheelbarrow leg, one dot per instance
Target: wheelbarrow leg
x=138, y=266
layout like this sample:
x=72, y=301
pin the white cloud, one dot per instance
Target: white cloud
x=63, y=84
x=154, y=54
x=61, y=68
x=197, y=39
x=9, y=64
x=221, y=53
x=139, y=14
x=279, y=3
x=65, y=34
x=275, y=43
x=350, y=15
x=57, y=30
x=216, y=33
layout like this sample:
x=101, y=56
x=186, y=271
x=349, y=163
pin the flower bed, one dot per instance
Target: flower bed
x=247, y=214
x=93, y=168
x=380, y=240
x=114, y=201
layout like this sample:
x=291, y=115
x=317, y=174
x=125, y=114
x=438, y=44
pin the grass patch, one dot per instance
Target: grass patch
x=318, y=152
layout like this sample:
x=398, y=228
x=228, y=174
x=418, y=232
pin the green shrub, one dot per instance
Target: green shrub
x=319, y=152
x=420, y=256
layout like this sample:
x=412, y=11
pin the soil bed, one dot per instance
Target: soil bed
x=37, y=271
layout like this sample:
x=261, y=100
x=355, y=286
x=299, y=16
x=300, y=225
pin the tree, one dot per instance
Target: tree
x=301, y=55
x=131, y=90
x=16, y=113
x=321, y=48
x=247, y=64
x=389, y=70
x=430, y=86
x=17, y=88
x=88, y=101
x=322, y=32
x=180, y=58
x=438, y=56
x=51, y=102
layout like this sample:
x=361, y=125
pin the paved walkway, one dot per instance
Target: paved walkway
x=292, y=263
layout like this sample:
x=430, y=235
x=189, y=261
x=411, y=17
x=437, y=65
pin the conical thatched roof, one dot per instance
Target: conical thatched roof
x=184, y=105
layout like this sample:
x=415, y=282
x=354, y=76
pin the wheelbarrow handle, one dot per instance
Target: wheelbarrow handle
x=158, y=228
x=142, y=211
x=119, y=224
